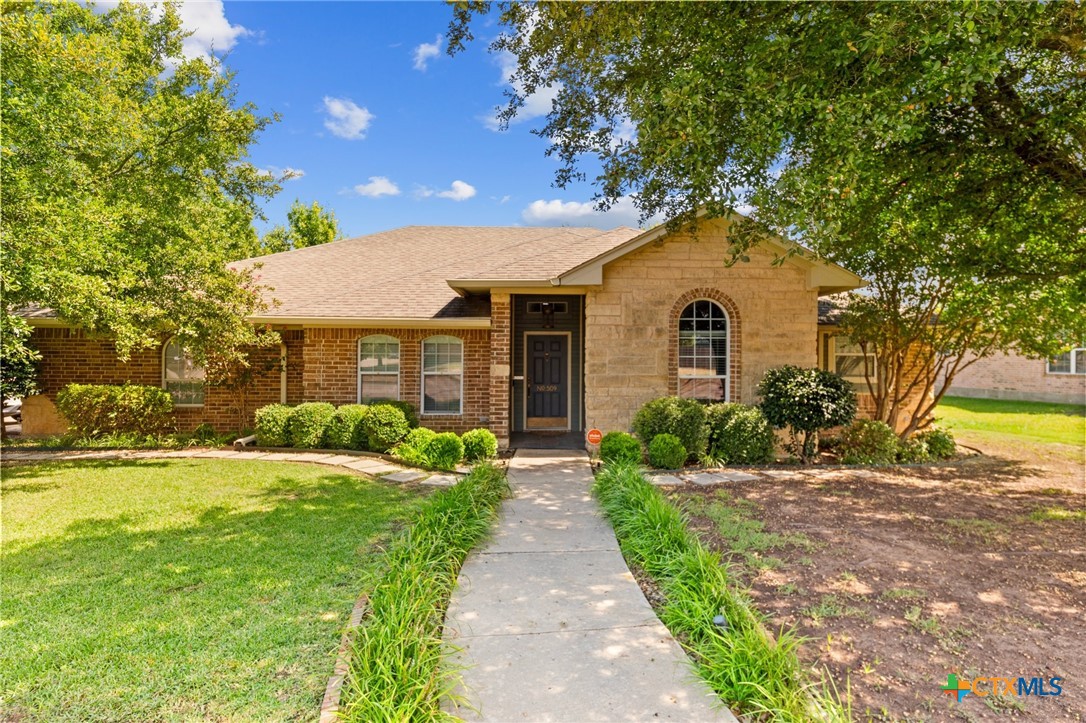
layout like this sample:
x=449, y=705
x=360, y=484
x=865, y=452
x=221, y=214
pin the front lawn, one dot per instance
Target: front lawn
x=182, y=589
x=1004, y=420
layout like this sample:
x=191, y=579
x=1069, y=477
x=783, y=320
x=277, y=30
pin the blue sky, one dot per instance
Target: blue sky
x=380, y=124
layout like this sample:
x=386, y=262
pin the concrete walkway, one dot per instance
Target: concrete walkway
x=550, y=623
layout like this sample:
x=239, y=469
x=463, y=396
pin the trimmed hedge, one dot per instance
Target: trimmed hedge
x=272, y=428
x=385, y=425
x=620, y=447
x=413, y=448
x=307, y=424
x=867, y=441
x=666, y=451
x=479, y=444
x=445, y=450
x=739, y=434
x=95, y=410
x=344, y=430
x=407, y=408
x=684, y=418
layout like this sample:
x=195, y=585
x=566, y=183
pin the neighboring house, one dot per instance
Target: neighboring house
x=1013, y=376
x=515, y=329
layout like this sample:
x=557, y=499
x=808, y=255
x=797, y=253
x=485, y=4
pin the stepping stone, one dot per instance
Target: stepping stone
x=665, y=480
x=279, y=456
x=408, y=475
x=441, y=480
x=338, y=459
x=250, y=455
x=183, y=453
x=706, y=478
x=216, y=453
x=782, y=473
x=371, y=468
x=740, y=476
x=309, y=457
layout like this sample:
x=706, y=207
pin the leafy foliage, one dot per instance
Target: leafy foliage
x=407, y=408
x=806, y=401
x=385, y=425
x=306, y=226
x=684, y=418
x=413, y=447
x=308, y=422
x=272, y=425
x=868, y=441
x=939, y=443
x=18, y=362
x=620, y=447
x=126, y=185
x=445, y=450
x=344, y=430
x=666, y=451
x=96, y=410
x=479, y=444
x=739, y=434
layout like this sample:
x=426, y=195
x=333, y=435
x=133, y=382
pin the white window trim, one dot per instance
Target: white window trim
x=1074, y=371
x=727, y=376
x=358, y=363
x=423, y=374
x=162, y=366
x=862, y=354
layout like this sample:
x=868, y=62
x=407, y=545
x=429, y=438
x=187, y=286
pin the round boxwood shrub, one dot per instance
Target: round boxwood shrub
x=868, y=441
x=271, y=425
x=620, y=447
x=479, y=444
x=666, y=451
x=413, y=447
x=805, y=401
x=344, y=430
x=307, y=424
x=94, y=410
x=407, y=408
x=939, y=442
x=739, y=434
x=445, y=450
x=384, y=425
x=684, y=418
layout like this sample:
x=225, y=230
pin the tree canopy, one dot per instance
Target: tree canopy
x=125, y=183
x=306, y=226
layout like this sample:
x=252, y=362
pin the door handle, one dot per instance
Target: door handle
x=529, y=383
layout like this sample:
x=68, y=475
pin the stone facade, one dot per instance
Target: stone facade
x=1013, y=376
x=631, y=335
x=500, y=370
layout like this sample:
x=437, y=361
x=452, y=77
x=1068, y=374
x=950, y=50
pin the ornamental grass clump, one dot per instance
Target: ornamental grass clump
x=397, y=670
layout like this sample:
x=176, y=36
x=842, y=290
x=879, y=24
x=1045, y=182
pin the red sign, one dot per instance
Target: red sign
x=595, y=436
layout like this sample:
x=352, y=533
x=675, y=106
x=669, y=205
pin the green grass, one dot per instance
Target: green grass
x=1008, y=421
x=182, y=589
x=751, y=671
x=397, y=671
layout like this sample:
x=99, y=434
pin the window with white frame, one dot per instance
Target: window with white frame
x=852, y=362
x=182, y=377
x=703, y=352
x=1070, y=362
x=442, y=375
x=378, y=368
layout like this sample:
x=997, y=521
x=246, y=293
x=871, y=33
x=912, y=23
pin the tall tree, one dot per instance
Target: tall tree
x=310, y=225
x=125, y=182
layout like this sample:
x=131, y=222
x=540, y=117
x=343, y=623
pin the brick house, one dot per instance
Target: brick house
x=515, y=329
x=1013, y=376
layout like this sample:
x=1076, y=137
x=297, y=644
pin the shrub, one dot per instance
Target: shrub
x=445, y=450
x=307, y=424
x=407, y=408
x=620, y=447
x=272, y=428
x=205, y=434
x=94, y=410
x=912, y=451
x=684, y=418
x=940, y=443
x=344, y=430
x=806, y=401
x=479, y=444
x=384, y=425
x=666, y=451
x=739, y=434
x=867, y=441
x=413, y=447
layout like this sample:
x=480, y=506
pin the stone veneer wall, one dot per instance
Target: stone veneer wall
x=500, y=350
x=1012, y=376
x=330, y=371
x=630, y=334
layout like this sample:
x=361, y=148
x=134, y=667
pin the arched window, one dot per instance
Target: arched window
x=442, y=375
x=703, y=352
x=181, y=376
x=378, y=368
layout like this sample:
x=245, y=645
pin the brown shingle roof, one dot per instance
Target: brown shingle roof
x=404, y=273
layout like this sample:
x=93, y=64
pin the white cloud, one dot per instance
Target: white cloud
x=458, y=191
x=212, y=34
x=377, y=187
x=577, y=213
x=426, y=51
x=346, y=119
x=282, y=174
x=535, y=105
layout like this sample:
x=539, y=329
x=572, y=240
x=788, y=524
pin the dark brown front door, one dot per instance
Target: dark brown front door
x=548, y=381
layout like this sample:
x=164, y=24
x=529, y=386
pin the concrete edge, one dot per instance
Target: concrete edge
x=333, y=691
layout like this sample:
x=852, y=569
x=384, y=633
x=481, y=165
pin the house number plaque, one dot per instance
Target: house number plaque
x=546, y=387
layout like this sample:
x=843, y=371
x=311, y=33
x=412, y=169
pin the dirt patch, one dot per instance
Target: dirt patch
x=899, y=577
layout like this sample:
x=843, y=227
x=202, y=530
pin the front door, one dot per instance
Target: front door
x=547, y=382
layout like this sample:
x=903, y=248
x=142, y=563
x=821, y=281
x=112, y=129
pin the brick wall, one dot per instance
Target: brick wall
x=631, y=335
x=1012, y=376
x=330, y=371
x=500, y=357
